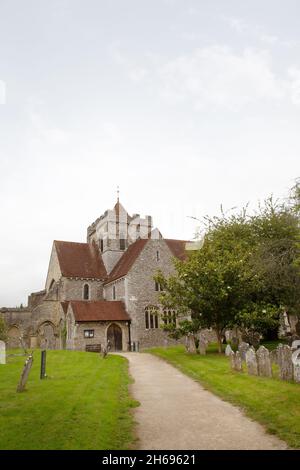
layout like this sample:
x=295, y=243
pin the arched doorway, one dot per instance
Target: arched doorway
x=46, y=334
x=114, y=336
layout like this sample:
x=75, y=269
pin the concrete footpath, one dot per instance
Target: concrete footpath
x=177, y=413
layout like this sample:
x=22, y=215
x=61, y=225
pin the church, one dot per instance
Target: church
x=102, y=291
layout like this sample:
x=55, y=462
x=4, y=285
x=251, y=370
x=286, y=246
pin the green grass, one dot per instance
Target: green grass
x=82, y=404
x=272, y=402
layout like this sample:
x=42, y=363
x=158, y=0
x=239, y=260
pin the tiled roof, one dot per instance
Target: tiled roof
x=65, y=306
x=125, y=263
x=177, y=247
x=100, y=310
x=80, y=260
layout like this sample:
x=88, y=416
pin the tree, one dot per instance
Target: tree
x=244, y=275
x=213, y=283
x=3, y=330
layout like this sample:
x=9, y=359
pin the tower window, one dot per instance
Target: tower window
x=122, y=244
x=158, y=287
x=86, y=292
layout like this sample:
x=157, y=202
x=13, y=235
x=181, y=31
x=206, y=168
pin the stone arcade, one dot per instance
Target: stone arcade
x=100, y=290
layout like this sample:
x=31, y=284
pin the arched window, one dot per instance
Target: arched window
x=151, y=317
x=86, y=292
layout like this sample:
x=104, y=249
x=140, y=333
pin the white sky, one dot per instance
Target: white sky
x=185, y=104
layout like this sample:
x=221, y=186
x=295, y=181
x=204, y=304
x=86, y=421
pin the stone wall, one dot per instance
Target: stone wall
x=141, y=292
x=120, y=290
x=72, y=289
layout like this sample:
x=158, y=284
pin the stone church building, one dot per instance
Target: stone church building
x=102, y=290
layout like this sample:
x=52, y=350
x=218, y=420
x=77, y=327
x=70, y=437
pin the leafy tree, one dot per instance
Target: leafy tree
x=244, y=275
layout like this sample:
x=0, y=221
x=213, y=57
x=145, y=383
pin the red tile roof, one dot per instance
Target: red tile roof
x=177, y=247
x=125, y=263
x=100, y=310
x=80, y=260
x=64, y=306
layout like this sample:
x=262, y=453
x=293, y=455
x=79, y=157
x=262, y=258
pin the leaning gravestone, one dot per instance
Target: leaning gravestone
x=243, y=348
x=25, y=373
x=228, y=350
x=264, y=362
x=2, y=353
x=286, y=371
x=251, y=361
x=296, y=363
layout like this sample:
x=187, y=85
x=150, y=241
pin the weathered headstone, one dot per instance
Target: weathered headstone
x=228, y=350
x=43, y=365
x=264, y=362
x=25, y=373
x=236, y=361
x=274, y=356
x=191, y=347
x=202, y=345
x=2, y=353
x=296, y=364
x=286, y=371
x=251, y=361
x=243, y=348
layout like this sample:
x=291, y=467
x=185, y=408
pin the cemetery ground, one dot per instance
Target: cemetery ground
x=272, y=402
x=82, y=404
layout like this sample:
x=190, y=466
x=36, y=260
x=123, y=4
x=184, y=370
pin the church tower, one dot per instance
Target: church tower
x=115, y=230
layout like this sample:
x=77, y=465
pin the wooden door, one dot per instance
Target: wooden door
x=114, y=336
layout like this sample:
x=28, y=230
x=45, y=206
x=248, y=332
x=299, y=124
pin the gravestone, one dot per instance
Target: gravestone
x=43, y=365
x=243, y=348
x=264, y=362
x=228, y=350
x=251, y=361
x=296, y=363
x=25, y=374
x=234, y=342
x=286, y=371
x=202, y=346
x=191, y=346
x=274, y=356
x=236, y=361
x=2, y=353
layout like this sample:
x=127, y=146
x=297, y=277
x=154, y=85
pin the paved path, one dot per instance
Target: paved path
x=177, y=413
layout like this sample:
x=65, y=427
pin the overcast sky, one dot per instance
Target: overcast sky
x=186, y=104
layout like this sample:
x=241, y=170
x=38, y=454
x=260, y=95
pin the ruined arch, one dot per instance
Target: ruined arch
x=47, y=335
x=14, y=334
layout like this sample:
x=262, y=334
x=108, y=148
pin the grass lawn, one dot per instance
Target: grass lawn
x=272, y=402
x=82, y=404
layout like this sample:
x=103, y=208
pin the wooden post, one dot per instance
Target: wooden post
x=43, y=365
x=25, y=373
